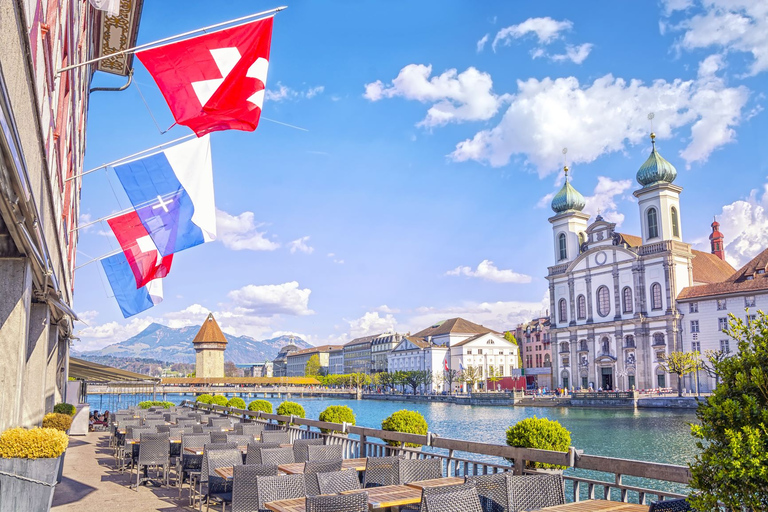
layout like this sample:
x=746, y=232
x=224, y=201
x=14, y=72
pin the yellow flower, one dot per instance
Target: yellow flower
x=36, y=443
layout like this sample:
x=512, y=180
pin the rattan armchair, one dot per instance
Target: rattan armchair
x=336, y=482
x=154, y=450
x=329, y=452
x=450, y=498
x=679, y=505
x=535, y=491
x=300, y=452
x=312, y=468
x=276, y=436
x=493, y=492
x=380, y=471
x=218, y=488
x=357, y=502
x=413, y=470
x=277, y=456
x=273, y=488
x=253, y=454
x=244, y=495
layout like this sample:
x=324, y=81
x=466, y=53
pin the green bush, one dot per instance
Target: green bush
x=36, y=443
x=236, y=402
x=155, y=403
x=539, y=433
x=64, y=408
x=260, y=405
x=205, y=399
x=410, y=422
x=337, y=414
x=732, y=434
x=58, y=421
x=290, y=408
x=219, y=400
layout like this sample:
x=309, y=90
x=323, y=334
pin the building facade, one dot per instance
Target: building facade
x=297, y=361
x=614, y=314
x=210, y=344
x=381, y=346
x=357, y=355
x=280, y=362
x=415, y=354
x=489, y=354
x=43, y=117
x=535, y=343
x=336, y=361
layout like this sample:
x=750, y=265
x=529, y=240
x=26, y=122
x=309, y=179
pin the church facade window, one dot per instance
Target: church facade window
x=656, y=296
x=563, y=311
x=603, y=301
x=653, y=223
x=562, y=246
x=675, y=223
x=581, y=307
x=626, y=296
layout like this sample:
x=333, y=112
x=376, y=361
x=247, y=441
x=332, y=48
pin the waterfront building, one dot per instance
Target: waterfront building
x=357, y=355
x=280, y=364
x=297, y=361
x=490, y=353
x=706, y=309
x=210, y=344
x=416, y=354
x=259, y=369
x=533, y=340
x=381, y=346
x=336, y=360
x=452, y=331
x=43, y=118
x=613, y=296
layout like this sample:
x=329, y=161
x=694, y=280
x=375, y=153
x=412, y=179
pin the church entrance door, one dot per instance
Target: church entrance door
x=607, y=378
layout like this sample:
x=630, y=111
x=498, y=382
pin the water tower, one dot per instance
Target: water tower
x=209, y=344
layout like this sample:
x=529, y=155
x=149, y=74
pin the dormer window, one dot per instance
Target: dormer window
x=761, y=271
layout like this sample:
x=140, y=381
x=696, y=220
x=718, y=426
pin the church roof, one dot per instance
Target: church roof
x=473, y=338
x=210, y=332
x=453, y=326
x=568, y=198
x=312, y=350
x=656, y=169
x=361, y=341
x=752, y=277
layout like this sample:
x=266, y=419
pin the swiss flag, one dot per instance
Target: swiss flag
x=140, y=251
x=445, y=364
x=215, y=81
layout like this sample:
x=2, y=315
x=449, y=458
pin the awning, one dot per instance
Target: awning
x=94, y=372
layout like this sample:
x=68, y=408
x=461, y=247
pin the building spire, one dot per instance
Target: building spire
x=716, y=240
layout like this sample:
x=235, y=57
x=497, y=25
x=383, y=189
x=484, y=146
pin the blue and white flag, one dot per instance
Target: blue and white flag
x=131, y=300
x=461, y=366
x=172, y=192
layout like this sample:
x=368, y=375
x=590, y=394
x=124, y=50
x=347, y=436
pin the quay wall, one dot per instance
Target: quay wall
x=472, y=399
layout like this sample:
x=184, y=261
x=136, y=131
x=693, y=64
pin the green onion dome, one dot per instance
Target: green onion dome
x=568, y=198
x=656, y=169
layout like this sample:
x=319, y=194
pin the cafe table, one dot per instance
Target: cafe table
x=198, y=450
x=390, y=496
x=346, y=464
x=437, y=482
x=597, y=506
x=137, y=441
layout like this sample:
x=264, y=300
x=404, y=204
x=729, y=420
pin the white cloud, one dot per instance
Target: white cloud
x=386, y=309
x=676, y=5
x=730, y=25
x=300, y=245
x=603, y=199
x=744, y=224
x=546, y=115
x=338, y=261
x=371, y=323
x=545, y=29
x=454, y=97
x=481, y=43
x=487, y=271
x=285, y=93
x=95, y=337
x=240, y=232
x=272, y=299
x=314, y=91
x=575, y=54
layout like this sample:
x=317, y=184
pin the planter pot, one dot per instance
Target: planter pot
x=26, y=485
x=80, y=420
x=60, y=473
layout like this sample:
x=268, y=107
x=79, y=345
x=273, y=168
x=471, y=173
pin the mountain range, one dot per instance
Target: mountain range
x=174, y=345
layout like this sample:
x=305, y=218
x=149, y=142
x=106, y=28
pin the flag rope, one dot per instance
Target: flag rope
x=141, y=95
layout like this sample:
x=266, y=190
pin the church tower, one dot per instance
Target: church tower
x=209, y=344
x=568, y=223
x=659, y=199
x=716, y=241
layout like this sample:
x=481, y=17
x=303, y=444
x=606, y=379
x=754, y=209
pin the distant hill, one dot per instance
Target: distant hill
x=175, y=345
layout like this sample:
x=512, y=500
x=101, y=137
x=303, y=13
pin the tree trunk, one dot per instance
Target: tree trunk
x=679, y=385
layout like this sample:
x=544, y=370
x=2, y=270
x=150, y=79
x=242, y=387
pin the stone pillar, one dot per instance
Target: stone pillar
x=51, y=369
x=33, y=390
x=15, y=300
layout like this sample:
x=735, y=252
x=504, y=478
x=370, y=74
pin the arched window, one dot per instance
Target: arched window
x=626, y=295
x=653, y=223
x=658, y=338
x=629, y=341
x=564, y=347
x=581, y=307
x=603, y=301
x=563, y=310
x=562, y=247
x=675, y=225
x=583, y=347
x=656, y=296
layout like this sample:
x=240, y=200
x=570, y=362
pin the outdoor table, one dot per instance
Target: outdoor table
x=138, y=441
x=390, y=496
x=292, y=505
x=437, y=482
x=298, y=467
x=198, y=450
x=597, y=506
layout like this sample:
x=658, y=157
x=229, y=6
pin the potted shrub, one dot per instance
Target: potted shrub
x=410, y=422
x=64, y=408
x=290, y=408
x=155, y=403
x=540, y=433
x=219, y=400
x=260, y=405
x=61, y=422
x=204, y=398
x=236, y=402
x=337, y=414
x=35, y=456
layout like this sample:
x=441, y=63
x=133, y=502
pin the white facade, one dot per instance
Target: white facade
x=484, y=351
x=414, y=355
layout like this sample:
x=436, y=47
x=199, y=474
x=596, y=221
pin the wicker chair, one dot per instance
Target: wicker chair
x=220, y=422
x=450, y=498
x=279, y=437
x=154, y=450
x=277, y=456
x=219, y=437
x=218, y=488
x=336, y=482
x=273, y=488
x=380, y=471
x=357, y=502
x=189, y=464
x=331, y=452
x=528, y=492
x=203, y=478
x=312, y=468
x=197, y=429
x=135, y=433
x=249, y=429
x=240, y=439
x=253, y=455
x=680, y=505
x=244, y=495
x=300, y=448
x=493, y=492
x=162, y=428
x=413, y=470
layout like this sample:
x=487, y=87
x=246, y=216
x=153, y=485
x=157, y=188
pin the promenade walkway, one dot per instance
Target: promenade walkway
x=91, y=483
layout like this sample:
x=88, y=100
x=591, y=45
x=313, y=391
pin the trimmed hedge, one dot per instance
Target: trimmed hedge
x=236, y=402
x=410, y=422
x=540, y=433
x=155, y=403
x=290, y=408
x=65, y=408
x=58, y=421
x=204, y=399
x=219, y=400
x=260, y=405
x=337, y=414
x=36, y=443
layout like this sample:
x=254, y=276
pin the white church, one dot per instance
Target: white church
x=614, y=296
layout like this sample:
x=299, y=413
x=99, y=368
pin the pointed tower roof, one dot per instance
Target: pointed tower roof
x=568, y=198
x=210, y=332
x=656, y=168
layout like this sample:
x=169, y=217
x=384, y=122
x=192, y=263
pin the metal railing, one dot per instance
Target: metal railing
x=468, y=458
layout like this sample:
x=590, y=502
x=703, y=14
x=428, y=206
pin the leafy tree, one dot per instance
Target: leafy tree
x=451, y=376
x=312, y=368
x=732, y=434
x=231, y=370
x=385, y=380
x=494, y=375
x=680, y=363
x=398, y=379
x=425, y=379
x=438, y=378
x=413, y=379
x=510, y=337
x=471, y=376
x=713, y=358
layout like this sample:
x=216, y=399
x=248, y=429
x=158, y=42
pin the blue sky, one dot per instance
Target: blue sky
x=420, y=188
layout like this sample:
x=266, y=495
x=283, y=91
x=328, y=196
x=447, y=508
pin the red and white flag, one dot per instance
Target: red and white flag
x=445, y=364
x=216, y=81
x=140, y=251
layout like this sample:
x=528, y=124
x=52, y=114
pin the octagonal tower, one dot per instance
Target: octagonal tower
x=209, y=344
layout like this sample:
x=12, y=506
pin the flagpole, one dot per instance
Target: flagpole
x=113, y=162
x=97, y=259
x=165, y=40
